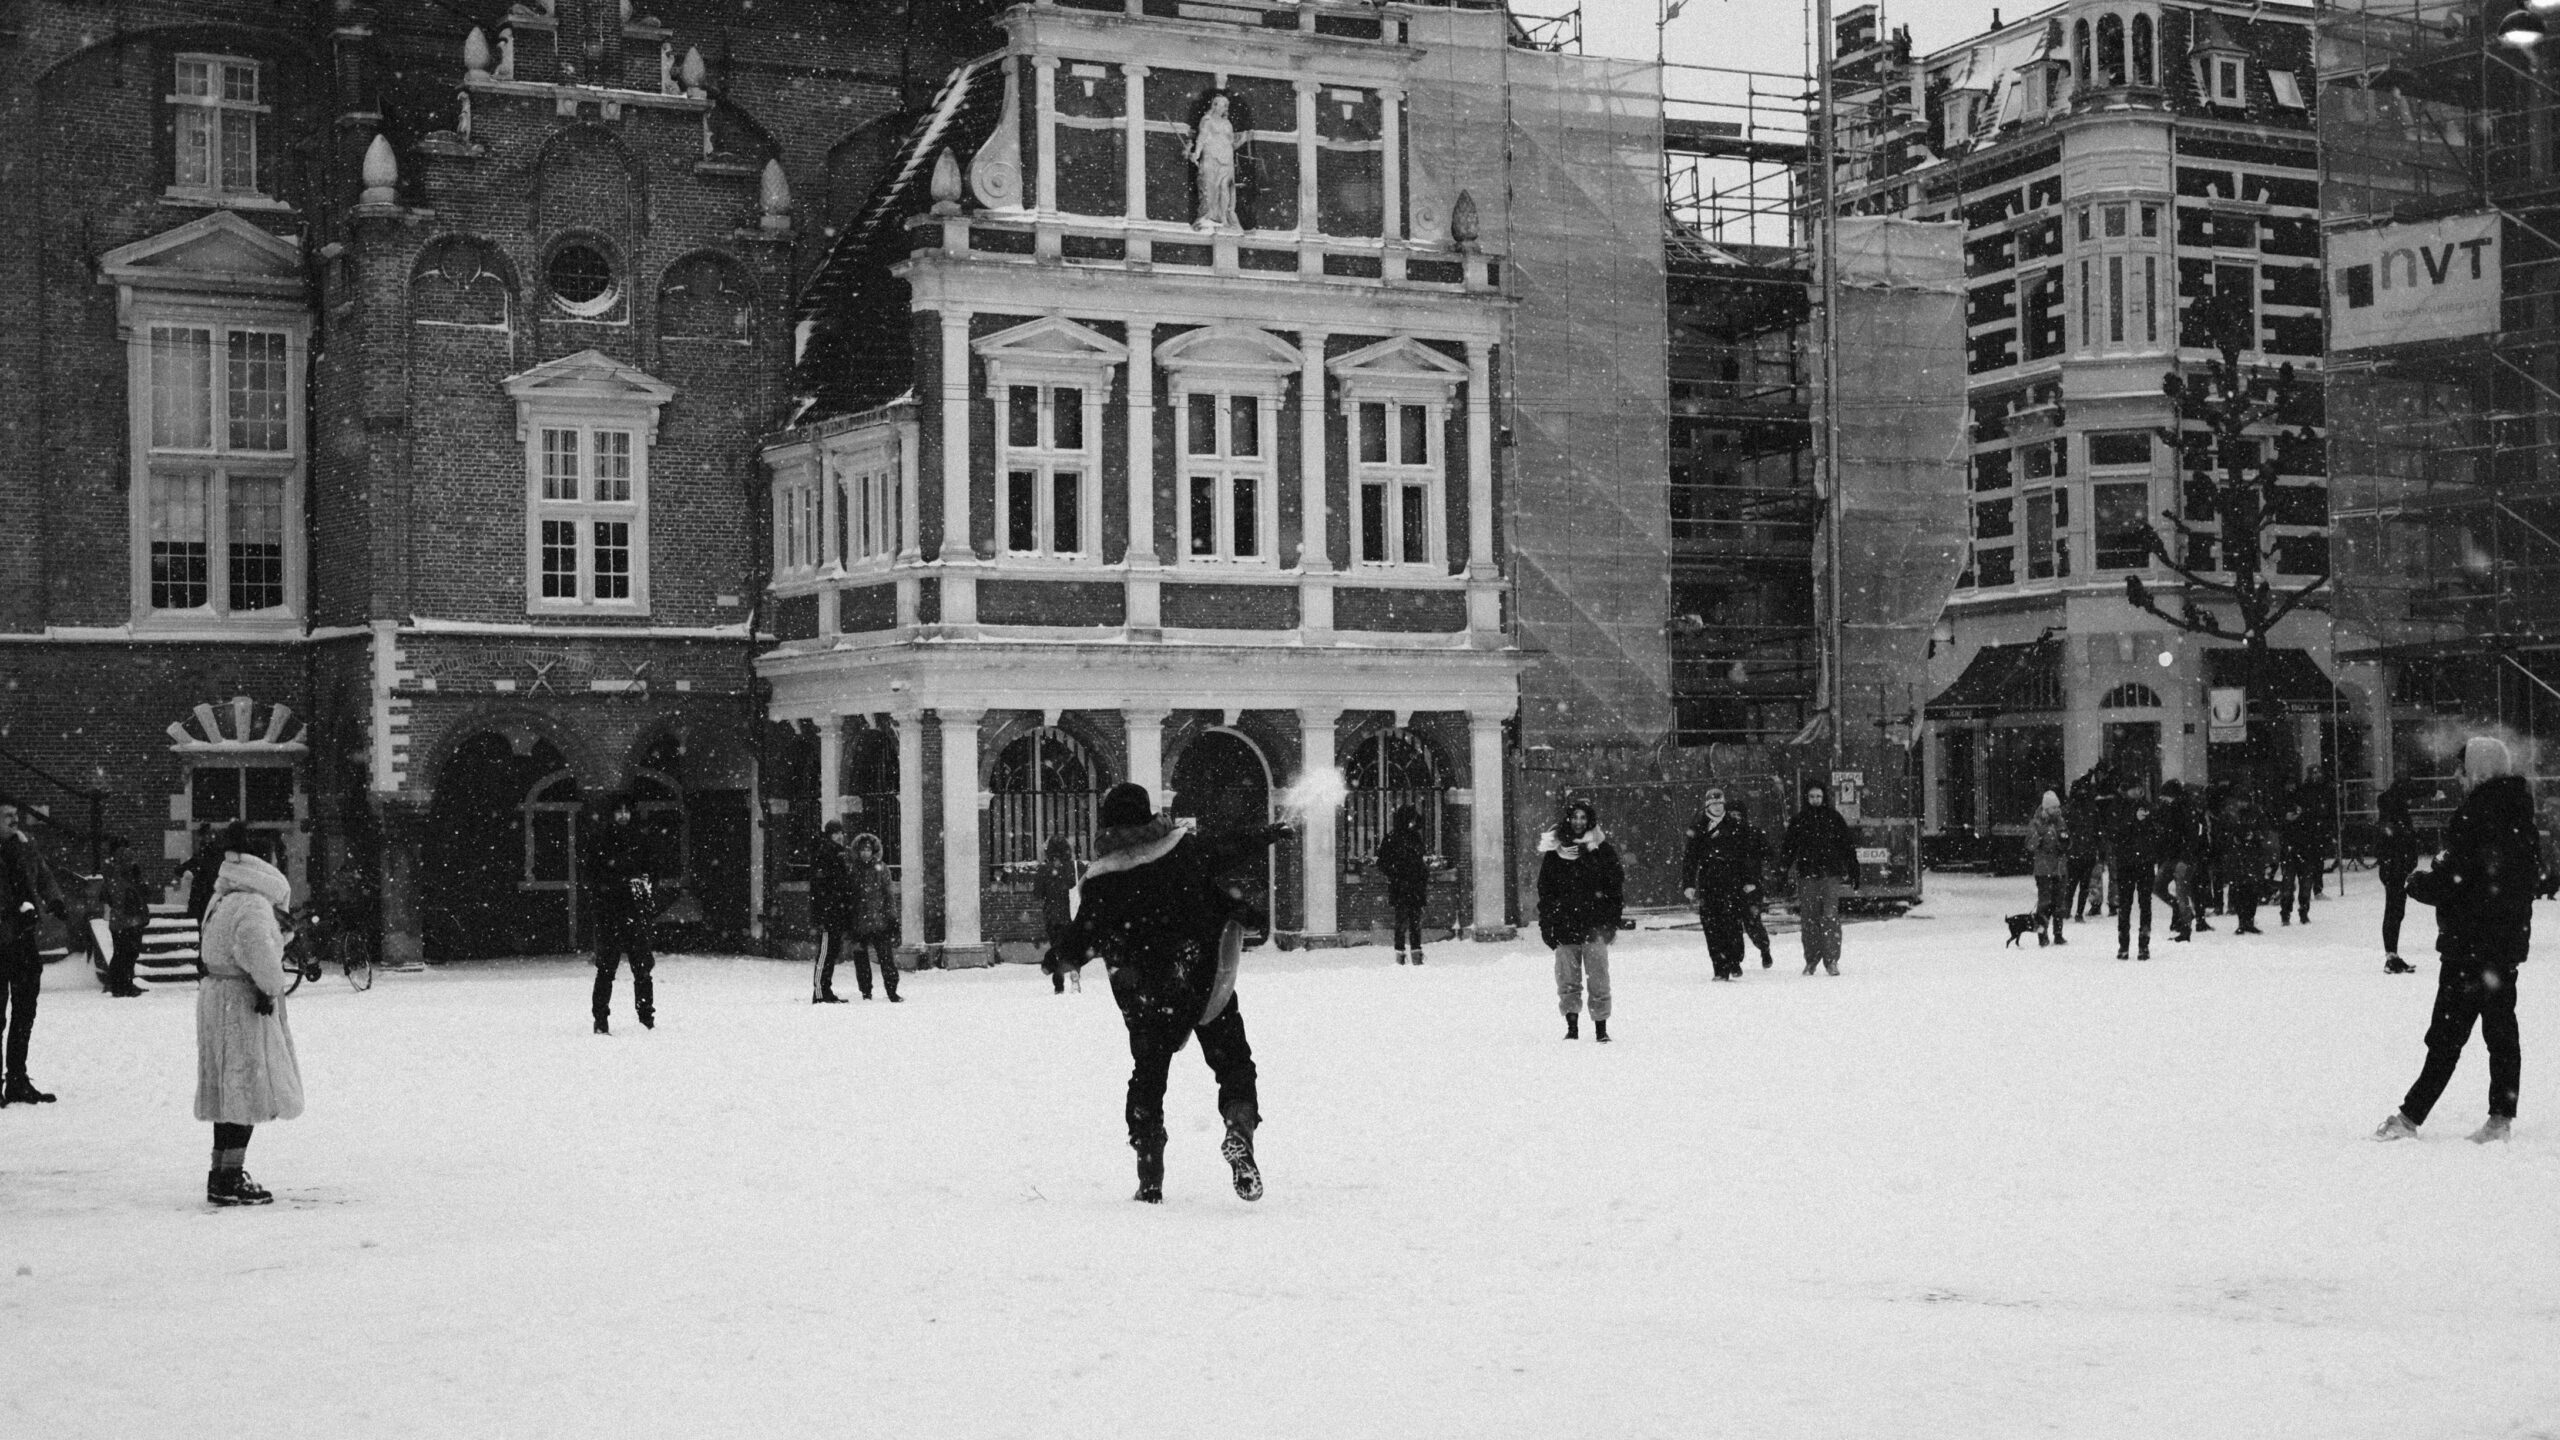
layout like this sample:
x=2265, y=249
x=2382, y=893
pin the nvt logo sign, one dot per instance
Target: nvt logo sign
x=2392, y=284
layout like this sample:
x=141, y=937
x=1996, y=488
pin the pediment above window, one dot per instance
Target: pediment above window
x=220, y=254
x=1235, y=358
x=1051, y=349
x=1401, y=368
x=587, y=383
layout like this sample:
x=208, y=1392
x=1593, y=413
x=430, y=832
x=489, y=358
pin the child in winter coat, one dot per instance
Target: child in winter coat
x=1581, y=904
x=246, y=1074
x=871, y=904
x=1406, y=862
x=1168, y=933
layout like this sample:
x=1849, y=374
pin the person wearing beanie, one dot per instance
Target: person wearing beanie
x=1581, y=905
x=830, y=913
x=621, y=899
x=1821, y=854
x=246, y=1073
x=1719, y=874
x=1168, y=934
x=2049, y=853
x=2482, y=887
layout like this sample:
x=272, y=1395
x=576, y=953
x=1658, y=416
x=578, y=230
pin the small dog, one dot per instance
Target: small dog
x=2021, y=925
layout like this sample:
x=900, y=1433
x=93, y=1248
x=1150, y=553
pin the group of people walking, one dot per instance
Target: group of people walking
x=1724, y=865
x=2116, y=846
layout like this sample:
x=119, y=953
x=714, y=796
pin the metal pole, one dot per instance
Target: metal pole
x=1827, y=275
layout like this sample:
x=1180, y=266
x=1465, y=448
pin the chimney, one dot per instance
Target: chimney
x=1995, y=17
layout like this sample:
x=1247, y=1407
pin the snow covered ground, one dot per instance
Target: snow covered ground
x=1961, y=1190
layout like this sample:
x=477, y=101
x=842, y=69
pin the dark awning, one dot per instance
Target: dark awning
x=2004, y=680
x=2290, y=678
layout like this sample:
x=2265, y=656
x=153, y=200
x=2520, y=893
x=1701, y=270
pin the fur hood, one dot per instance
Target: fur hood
x=1592, y=839
x=1126, y=847
x=257, y=877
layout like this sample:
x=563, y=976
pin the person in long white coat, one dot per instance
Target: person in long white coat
x=245, y=1069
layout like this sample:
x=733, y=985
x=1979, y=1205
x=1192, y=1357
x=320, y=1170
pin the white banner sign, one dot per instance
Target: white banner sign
x=2432, y=280
x=2227, y=714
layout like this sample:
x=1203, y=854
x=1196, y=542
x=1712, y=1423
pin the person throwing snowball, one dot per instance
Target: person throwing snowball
x=1168, y=934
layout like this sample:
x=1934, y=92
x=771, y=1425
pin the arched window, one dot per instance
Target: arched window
x=2131, y=695
x=1389, y=770
x=2081, y=73
x=460, y=281
x=707, y=297
x=551, y=832
x=657, y=811
x=1045, y=783
x=2144, y=71
x=2110, y=50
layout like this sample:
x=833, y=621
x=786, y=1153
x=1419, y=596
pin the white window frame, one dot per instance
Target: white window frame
x=1397, y=475
x=147, y=316
x=1045, y=460
x=1400, y=370
x=2231, y=68
x=217, y=111
x=2288, y=90
x=1222, y=467
x=590, y=394
x=2119, y=306
x=796, y=524
x=866, y=488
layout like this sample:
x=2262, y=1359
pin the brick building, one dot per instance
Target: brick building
x=383, y=389
x=2113, y=162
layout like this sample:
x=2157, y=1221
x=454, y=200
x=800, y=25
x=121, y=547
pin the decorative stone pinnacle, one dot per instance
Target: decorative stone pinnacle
x=475, y=55
x=381, y=173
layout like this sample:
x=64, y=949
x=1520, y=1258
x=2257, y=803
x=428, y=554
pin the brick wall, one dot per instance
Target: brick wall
x=1231, y=607
x=1036, y=602
x=1411, y=611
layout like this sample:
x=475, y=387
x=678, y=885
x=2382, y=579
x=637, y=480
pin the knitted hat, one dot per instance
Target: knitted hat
x=1126, y=804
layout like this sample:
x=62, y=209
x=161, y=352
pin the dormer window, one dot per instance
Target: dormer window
x=215, y=105
x=2229, y=80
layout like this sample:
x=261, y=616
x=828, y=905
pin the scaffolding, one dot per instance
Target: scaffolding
x=2446, y=484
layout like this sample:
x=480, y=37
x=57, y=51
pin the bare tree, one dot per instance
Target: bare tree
x=2230, y=590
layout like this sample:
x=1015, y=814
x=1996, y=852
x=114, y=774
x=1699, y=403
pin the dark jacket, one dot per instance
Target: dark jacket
x=2483, y=882
x=201, y=872
x=2177, y=828
x=2134, y=841
x=125, y=898
x=830, y=898
x=1819, y=843
x=2249, y=851
x=2049, y=844
x=1722, y=862
x=1582, y=897
x=1055, y=887
x=2305, y=831
x=2083, y=814
x=870, y=901
x=27, y=891
x=1153, y=910
x=616, y=870
x=1406, y=863
x=2395, y=843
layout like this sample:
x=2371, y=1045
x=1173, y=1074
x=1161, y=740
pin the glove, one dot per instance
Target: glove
x=266, y=1003
x=1275, y=833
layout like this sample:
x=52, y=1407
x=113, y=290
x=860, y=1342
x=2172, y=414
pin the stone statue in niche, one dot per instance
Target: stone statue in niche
x=506, y=54
x=667, y=82
x=1213, y=160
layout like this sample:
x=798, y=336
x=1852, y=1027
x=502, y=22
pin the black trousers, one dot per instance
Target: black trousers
x=880, y=948
x=21, y=978
x=2296, y=888
x=128, y=949
x=2053, y=897
x=2395, y=908
x=2132, y=887
x=1408, y=926
x=2078, y=883
x=1723, y=926
x=620, y=938
x=1752, y=926
x=2468, y=991
x=2244, y=904
x=1230, y=1056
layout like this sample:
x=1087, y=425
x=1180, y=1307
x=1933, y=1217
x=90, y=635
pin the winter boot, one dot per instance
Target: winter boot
x=2123, y=954
x=1830, y=967
x=2398, y=1127
x=603, y=1026
x=1237, y=1149
x=1812, y=965
x=22, y=1091
x=1417, y=957
x=2058, y=937
x=234, y=1187
x=2394, y=965
x=648, y=1020
x=1400, y=957
x=1767, y=960
x=2495, y=1129
x=1573, y=1027
x=1600, y=1030
x=2144, y=953
x=1150, y=1175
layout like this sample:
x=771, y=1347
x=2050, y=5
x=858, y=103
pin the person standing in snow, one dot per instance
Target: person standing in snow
x=1581, y=904
x=1406, y=862
x=1167, y=932
x=2173, y=831
x=2132, y=850
x=27, y=890
x=1755, y=863
x=2305, y=853
x=127, y=902
x=2482, y=887
x=1055, y=888
x=871, y=913
x=2396, y=859
x=2084, y=832
x=1821, y=854
x=246, y=1073
x=621, y=897
x=2249, y=854
x=830, y=911
x=1719, y=873
x=2049, y=854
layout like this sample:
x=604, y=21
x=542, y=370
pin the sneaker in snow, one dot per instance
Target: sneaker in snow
x=2123, y=954
x=2396, y=1128
x=2495, y=1129
x=1238, y=1150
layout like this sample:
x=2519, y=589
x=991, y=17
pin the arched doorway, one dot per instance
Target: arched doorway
x=1223, y=783
x=498, y=872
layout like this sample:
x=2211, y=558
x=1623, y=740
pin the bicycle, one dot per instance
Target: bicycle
x=315, y=944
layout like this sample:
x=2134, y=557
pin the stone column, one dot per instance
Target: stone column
x=1310, y=257
x=962, y=881
x=1391, y=161
x=1145, y=730
x=1486, y=822
x=910, y=834
x=1133, y=90
x=830, y=768
x=1319, y=851
x=959, y=587
x=1315, y=555
x=1484, y=596
x=1145, y=616
x=1044, y=127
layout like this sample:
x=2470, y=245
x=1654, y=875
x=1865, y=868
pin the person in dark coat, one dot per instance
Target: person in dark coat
x=1720, y=874
x=871, y=913
x=1152, y=908
x=2049, y=856
x=622, y=901
x=1581, y=904
x=2249, y=853
x=2304, y=832
x=127, y=901
x=2083, y=820
x=2482, y=887
x=2176, y=838
x=2396, y=859
x=1822, y=854
x=27, y=892
x=203, y=868
x=2133, y=849
x=830, y=911
x=1055, y=888
x=1755, y=863
x=1405, y=860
